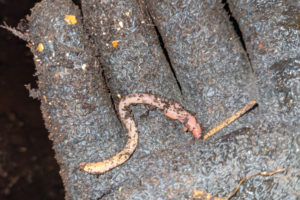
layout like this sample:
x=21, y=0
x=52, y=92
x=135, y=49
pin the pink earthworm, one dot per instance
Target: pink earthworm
x=170, y=108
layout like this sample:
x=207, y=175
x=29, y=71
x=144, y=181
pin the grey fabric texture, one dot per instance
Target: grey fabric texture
x=186, y=51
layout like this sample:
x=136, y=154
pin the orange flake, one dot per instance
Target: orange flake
x=45, y=99
x=115, y=43
x=71, y=19
x=40, y=47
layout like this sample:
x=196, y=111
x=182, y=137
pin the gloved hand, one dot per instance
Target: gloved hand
x=88, y=58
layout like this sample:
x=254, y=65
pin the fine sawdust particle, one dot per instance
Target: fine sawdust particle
x=198, y=194
x=83, y=67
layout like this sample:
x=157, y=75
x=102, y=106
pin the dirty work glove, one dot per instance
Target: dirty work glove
x=89, y=56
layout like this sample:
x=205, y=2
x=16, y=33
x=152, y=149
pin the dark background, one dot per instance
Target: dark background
x=28, y=169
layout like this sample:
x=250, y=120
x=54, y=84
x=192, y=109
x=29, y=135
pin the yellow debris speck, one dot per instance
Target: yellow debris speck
x=119, y=96
x=83, y=67
x=127, y=14
x=115, y=43
x=40, y=47
x=71, y=19
x=266, y=149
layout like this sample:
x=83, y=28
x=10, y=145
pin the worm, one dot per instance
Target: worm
x=170, y=108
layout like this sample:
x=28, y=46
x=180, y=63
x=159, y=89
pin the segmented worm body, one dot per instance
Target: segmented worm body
x=170, y=108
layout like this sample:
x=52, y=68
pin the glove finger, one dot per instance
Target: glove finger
x=272, y=41
x=74, y=101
